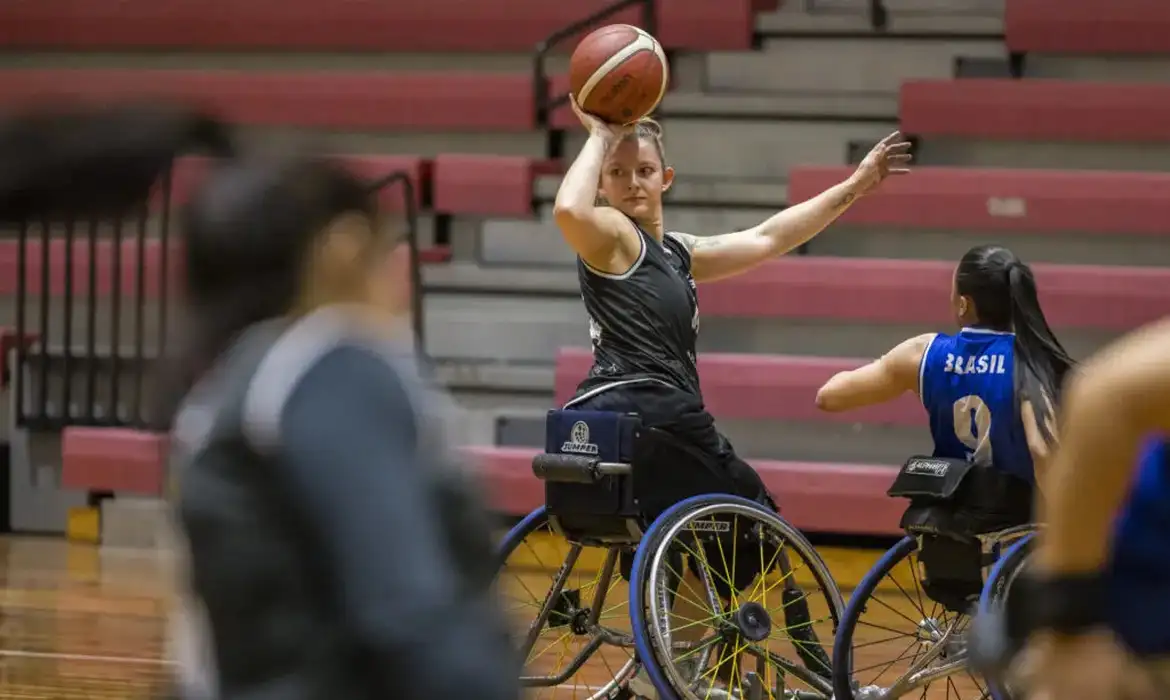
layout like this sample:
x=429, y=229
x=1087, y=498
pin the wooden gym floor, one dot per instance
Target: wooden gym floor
x=79, y=623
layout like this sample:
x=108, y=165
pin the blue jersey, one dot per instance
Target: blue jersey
x=967, y=384
x=1139, y=585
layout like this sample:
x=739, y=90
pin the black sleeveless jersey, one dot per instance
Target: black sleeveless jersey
x=643, y=323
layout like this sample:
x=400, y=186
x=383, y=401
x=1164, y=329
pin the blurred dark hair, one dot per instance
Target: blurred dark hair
x=249, y=231
x=1003, y=289
x=60, y=162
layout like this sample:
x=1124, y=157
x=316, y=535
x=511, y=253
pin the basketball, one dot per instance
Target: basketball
x=618, y=74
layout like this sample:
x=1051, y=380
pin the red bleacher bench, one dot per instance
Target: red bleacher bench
x=1108, y=298
x=486, y=185
x=837, y=498
x=1047, y=110
x=1088, y=26
x=1007, y=200
x=425, y=101
x=350, y=25
x=815, y=497
x=117, y=460
x=190, y=172
x=761, y=387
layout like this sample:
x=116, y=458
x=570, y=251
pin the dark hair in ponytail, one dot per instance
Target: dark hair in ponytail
x=1003, y=289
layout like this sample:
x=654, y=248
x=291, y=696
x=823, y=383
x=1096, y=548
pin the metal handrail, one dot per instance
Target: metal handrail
x=544, y=101
x=879, y=16
x=411, y=212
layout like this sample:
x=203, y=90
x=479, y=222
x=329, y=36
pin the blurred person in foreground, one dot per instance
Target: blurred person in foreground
x=1093, y=606
x=334, y=548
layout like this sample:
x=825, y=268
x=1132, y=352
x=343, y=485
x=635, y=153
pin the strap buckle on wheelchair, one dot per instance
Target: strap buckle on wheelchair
x=575, y=468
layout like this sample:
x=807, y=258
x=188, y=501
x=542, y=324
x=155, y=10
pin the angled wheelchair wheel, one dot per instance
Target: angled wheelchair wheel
x=568, y=607
x=996, y=590
x=894, y=641
x=730, y=601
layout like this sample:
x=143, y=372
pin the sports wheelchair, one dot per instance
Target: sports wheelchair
x=655, y=591
x=960, y=519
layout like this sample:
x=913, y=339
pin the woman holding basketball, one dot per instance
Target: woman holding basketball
x=638, y=280
x=638, y=284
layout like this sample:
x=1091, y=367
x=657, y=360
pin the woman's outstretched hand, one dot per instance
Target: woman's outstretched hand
x=610, y=133
x=889, y=157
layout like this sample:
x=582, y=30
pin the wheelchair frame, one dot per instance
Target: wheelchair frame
x=919, y=674
x=624, y=528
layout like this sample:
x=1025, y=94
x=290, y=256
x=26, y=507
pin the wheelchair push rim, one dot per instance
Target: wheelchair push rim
x=936, y=654
x=761, y=630
x=995, y=590
x=574, y=618
x=927, y=637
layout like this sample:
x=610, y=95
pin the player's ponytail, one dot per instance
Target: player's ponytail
x=1003, y=290
x=1044, y=360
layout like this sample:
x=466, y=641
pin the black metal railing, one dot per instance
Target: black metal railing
x=93, y=298
x=879, y=16
x=88, y=322
x=410, y=214
x=545, y=102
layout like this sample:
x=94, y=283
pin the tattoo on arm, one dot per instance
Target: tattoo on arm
x=846, y=199
x=692, y=242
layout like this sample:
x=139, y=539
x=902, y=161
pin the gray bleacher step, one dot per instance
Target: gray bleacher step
x=520, y=430
x=980, y=67
x=498, y=378
x=502, y=329
x=860, y=65
x=469, y=277
x=527, y=243
x=1045, y=155
x=787, y=104
x=934, y=7
x=851, y=240
x=698, y=191
x=1107, y=68
x=903, y=19
x=755, y=149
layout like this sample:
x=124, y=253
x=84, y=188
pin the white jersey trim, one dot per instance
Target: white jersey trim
x=633, y=267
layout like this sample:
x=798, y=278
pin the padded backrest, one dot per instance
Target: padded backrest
x=602, y=434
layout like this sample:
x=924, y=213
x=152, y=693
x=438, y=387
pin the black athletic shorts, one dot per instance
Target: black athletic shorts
x=697, y=460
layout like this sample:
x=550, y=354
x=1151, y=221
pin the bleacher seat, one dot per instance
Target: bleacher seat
x=1047, y=110
x=353, y=25
x=848, y=498
x=1123, y=27
x=1054, y=216
x=916, y=291
x=1007, y=200
x=189, y=172
x=761, y=387
x=484, y=185
x=419, y=101
x=815, y=497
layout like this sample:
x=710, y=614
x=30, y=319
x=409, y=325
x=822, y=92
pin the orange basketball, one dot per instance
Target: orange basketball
x=618, y=73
